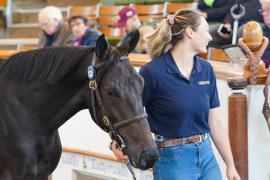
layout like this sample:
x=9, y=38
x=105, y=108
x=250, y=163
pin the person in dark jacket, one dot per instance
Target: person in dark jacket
x=214, y=10
x=265, y=11
x=84, y=35
x=251, y=13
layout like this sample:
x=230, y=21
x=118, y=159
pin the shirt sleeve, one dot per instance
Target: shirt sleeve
x=149, y=85
x=214, y=99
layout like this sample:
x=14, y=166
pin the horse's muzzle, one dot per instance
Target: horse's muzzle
x=147, y=159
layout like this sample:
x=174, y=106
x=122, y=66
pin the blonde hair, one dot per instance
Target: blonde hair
x=170, y=32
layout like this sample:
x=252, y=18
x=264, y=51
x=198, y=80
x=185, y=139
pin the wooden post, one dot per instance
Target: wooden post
x=238, y=130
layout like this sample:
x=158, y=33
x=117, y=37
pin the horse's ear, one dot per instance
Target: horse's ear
x=131, y=43
x=101, y=47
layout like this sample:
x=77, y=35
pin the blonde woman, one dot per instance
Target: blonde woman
x=181, y=99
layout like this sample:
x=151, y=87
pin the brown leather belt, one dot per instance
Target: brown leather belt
x=179, y=141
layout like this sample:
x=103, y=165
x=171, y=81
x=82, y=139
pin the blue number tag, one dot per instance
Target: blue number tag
x=91, y=72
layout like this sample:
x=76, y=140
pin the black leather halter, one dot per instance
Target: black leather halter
x=95, y=97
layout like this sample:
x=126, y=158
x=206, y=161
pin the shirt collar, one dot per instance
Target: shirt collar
x=172, y=67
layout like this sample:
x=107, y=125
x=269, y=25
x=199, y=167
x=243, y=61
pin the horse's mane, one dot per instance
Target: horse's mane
x=47, y=64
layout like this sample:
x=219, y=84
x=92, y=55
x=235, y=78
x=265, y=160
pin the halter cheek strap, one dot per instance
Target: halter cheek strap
x=96, y=98
x=112, y=128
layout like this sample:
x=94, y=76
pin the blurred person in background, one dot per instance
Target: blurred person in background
x=265, y=11
x=213, y=10
x=251, y=13
x=54, y=31
x=129, y=20
x=85, y=36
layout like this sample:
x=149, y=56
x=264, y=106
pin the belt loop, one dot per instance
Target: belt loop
x=205, y=135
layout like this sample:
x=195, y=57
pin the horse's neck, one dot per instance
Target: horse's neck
x=1, y=62
x=58, y=103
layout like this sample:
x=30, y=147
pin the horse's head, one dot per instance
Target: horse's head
x=116, y=96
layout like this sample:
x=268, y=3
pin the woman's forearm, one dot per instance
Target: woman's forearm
x=220, y=138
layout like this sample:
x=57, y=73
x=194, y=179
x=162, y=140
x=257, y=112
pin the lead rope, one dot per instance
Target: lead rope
x=130, y=168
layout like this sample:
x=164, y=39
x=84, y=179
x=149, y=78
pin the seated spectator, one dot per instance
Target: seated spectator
x=84, y=35
x=251, y=13
x=142, y=45
x=214, y=10
x=54, y=31
x=265, y=11
x=128, y=19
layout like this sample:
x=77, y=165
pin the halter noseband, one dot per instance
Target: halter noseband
x=95, y=94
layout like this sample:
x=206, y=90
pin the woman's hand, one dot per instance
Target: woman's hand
x=118, y=153
x=229, y=29
x=232, y=174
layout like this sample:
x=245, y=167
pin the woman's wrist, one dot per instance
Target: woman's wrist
x=230, y=164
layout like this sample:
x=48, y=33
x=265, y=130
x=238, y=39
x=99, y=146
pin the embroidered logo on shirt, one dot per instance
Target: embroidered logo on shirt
x=203, y=82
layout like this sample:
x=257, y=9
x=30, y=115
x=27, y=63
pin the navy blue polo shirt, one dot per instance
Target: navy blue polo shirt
x=176, y=106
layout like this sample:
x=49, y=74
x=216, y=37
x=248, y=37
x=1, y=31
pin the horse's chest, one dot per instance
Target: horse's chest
x=47, y=154
x=34, y=157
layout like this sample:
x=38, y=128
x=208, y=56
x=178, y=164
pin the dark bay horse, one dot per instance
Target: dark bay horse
x=41, y=89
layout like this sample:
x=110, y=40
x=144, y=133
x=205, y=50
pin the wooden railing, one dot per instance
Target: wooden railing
x=89, y=153
x=3, y=3
x=223, y=70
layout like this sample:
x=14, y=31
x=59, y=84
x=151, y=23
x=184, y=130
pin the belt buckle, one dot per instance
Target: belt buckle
x=159, y=138
x=200, y=138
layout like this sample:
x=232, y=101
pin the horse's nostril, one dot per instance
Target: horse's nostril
x=147, y=159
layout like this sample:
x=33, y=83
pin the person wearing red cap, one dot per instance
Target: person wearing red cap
x=128, y=19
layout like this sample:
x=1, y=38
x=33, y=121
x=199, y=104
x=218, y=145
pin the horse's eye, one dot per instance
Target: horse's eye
x=111, y=92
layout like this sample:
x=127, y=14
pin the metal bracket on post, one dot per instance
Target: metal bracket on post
x=236, y=16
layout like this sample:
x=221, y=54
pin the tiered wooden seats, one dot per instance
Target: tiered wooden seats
x=88, y=11
x=108, y=16
x=13, y=44
x=24, y=30
x=3, y=3
x=150, y=13
x=107, y=21
x=216, y=54
x=174, y=7
x=107, y=10
x=24, y=47
x=65, y=3
x=102, y=17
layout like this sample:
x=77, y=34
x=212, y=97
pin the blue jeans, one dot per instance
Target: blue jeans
x=194, y=161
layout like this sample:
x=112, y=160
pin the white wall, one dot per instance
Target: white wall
x=81, y=132
x=258, y=136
